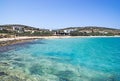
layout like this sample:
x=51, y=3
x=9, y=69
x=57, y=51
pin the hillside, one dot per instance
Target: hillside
x=88, y=31
x=23, y=30
x=11, y=26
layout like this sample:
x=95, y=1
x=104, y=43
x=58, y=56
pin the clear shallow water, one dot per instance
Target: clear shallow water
x=72, y=59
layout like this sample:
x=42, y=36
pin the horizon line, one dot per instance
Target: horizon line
x=63, y=27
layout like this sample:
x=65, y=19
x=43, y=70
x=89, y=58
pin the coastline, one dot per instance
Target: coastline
x=47, y=37
x=9, y=41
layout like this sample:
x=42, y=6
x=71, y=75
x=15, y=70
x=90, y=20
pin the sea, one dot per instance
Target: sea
x=65, y=59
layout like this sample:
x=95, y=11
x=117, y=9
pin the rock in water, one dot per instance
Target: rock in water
x=3, y=73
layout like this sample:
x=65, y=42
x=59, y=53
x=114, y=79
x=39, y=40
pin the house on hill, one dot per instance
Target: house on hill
x=64, y=31
x=1, y=28
x=18, y=29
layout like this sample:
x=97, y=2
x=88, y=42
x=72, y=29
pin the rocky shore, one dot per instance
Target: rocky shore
x=10, y=42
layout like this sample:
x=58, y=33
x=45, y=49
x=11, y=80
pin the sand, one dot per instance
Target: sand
x=48, y=37
x=9, y=41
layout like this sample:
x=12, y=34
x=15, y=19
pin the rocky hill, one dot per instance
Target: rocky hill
x=88, y=31
x=23, y=30
x=18, y=26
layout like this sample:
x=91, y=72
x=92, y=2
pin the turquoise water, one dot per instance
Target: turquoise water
x=69, y=59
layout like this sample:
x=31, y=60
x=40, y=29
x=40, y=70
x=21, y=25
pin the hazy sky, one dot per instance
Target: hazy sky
x=55, y=14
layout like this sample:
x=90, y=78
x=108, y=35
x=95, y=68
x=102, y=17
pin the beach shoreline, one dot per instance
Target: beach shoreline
x=9, y=41
x=48, y=37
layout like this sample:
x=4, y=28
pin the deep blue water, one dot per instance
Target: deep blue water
x=89, y=59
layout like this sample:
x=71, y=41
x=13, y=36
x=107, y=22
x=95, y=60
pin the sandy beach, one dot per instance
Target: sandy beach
x=48, y=37
x=9, y=41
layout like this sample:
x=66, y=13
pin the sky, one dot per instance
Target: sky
x=55, y=14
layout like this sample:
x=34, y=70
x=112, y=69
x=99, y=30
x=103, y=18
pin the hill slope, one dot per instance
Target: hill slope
x=23, y=30
x=89, y=30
